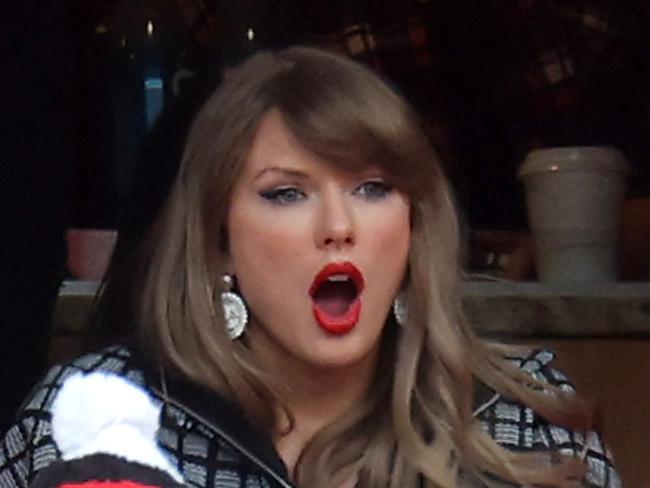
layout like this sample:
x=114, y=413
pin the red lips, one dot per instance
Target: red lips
x=335, y=297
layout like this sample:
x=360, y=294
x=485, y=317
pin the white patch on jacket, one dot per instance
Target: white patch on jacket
x=103, y=413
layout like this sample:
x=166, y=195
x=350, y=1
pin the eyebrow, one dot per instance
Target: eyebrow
x=282, y=170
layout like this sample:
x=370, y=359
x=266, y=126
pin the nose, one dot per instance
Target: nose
x=335, y=227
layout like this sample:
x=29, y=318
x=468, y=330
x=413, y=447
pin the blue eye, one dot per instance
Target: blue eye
x=283, y=195
x=373, y=189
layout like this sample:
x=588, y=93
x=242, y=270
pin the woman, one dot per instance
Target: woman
x=297, y=311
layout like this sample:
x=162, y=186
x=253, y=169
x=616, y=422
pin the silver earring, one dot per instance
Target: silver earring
x=400, y=310
x=234, y=309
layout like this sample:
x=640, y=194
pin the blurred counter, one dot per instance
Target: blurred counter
x=508, y=310
x=531, y=310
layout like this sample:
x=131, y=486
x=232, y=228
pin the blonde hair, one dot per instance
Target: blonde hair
x=428, y=368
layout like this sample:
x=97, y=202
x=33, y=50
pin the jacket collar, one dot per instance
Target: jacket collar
x=221, y=415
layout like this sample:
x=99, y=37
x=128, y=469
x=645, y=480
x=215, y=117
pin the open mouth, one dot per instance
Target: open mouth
x=335, y=295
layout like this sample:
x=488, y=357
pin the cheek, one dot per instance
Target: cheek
x=394, y=233
x=396, y=245
x=261, y=248
x=264, y=260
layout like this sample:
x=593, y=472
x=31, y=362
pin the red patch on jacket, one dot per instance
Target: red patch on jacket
x=106, y=484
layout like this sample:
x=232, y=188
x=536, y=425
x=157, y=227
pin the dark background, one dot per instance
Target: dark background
x=492, y=79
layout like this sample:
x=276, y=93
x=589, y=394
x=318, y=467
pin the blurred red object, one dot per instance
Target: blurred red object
x=89, y=252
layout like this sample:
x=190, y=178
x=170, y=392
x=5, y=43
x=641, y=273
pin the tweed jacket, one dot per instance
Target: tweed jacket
x=213, y=445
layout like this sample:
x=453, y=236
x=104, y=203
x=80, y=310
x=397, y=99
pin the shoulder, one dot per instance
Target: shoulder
x=198, y=431
x=27, y=446
x=512, y=423
x=518, y=427
x=116, y=360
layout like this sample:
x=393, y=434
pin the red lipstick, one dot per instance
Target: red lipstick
x=335, y=294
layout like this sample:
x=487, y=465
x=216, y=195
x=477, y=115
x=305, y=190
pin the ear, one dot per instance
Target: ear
x=223, y=240
x=226, y=264
x=217, y=255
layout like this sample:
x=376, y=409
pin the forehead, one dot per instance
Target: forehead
x=275, y=146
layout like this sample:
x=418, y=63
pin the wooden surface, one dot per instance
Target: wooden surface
x=614, y=376
x=534, y=310
x=500, y=309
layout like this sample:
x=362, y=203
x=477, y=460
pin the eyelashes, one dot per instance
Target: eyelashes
x=370, y=190
x=374, y=189
x=283, y=195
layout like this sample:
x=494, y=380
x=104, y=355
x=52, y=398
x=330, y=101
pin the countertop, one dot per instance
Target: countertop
x=503, y=309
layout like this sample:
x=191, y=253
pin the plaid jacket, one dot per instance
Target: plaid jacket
x=214, y=446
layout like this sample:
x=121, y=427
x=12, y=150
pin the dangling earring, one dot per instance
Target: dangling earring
x=400, y=310
x=234, y=309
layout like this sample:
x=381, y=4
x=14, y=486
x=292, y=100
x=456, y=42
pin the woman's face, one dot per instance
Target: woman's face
x=319, y=253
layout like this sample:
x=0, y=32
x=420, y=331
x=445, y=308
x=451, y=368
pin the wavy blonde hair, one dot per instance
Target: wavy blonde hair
x=416, y=424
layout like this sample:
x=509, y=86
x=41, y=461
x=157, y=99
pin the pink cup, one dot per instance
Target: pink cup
x=89, y=252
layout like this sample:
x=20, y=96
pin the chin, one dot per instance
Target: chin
x=342, y=351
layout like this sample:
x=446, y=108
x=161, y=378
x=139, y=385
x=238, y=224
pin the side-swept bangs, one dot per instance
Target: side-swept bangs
x=344, y=114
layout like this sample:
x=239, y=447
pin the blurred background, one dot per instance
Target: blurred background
x=491, y=80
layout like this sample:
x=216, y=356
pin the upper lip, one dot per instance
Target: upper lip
x=342, y=268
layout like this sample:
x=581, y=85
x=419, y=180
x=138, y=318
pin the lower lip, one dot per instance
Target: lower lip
x=340, y=324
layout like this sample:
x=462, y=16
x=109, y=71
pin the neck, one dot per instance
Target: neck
x=320, y=397
x=315, y=400
x=316, y=396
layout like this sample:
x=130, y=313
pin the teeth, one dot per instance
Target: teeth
x=338, y=278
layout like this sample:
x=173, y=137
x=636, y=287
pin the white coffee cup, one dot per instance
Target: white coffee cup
x=574, y=197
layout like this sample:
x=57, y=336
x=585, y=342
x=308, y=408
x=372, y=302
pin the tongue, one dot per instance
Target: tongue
x=334, y=298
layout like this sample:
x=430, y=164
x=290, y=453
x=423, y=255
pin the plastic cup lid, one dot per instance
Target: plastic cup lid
x=575, y=159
